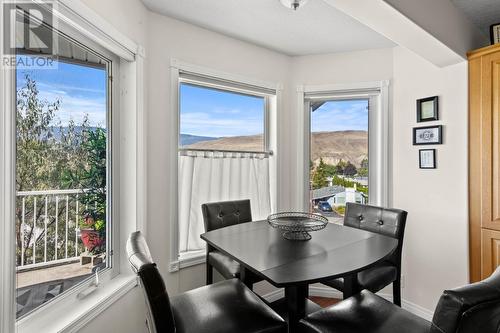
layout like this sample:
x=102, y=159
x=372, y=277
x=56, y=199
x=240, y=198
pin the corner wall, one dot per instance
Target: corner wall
x=436, y=239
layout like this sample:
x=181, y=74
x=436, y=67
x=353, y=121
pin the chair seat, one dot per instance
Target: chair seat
x=373, y=279
x=226, y=266
x=227, y=306
x=364, y=312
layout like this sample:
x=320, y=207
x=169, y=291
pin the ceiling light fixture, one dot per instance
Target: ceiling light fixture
x=293, y=4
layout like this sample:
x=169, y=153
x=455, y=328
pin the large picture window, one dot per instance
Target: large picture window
x=223, y=152
x=63, y=171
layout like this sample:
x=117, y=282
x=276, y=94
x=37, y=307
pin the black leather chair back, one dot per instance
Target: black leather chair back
x=386, y=221
x=471, y=309
x=160, y=316
x=225, y=213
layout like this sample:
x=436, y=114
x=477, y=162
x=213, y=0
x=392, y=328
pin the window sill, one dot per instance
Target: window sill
x=187, y=260
x=62, y=319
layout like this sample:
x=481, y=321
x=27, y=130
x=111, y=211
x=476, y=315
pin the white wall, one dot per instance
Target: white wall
x=436, y=239
x=436, y=200
x=175, y=39
x=165, y=38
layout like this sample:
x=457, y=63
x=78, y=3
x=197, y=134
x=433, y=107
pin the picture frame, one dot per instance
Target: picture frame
x=428, y=109
x=427, y=158
x=495, y=33
x=429, y=135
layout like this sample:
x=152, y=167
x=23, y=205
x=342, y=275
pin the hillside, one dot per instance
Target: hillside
x=332, y=146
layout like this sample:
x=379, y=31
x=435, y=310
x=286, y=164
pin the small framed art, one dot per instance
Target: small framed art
x=427, y=109
x=430, y=135
x=427, y=158
x=495, y=33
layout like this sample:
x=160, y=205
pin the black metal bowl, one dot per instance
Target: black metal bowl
x=297, y=225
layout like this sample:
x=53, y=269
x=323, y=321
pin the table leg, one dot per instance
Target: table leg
x=245, y=278
x=296, y=298
x=351, y=285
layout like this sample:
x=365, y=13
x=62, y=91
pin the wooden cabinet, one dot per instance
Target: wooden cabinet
x=484, y=161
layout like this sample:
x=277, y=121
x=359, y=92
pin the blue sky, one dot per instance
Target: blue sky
x=81, y=90
x=208, y=112
x=204, y=112
x=340, y=116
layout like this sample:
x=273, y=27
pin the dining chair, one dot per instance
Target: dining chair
x=224, y=307
x=219, y=215
x=385, y=221
x=471, y=309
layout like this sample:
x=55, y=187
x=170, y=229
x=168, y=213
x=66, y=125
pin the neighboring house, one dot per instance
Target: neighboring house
x=325, y=193
x=338, y=195
x=349, y=195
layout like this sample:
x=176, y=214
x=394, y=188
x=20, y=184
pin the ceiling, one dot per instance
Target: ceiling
x=316, y=28
x=482, y=13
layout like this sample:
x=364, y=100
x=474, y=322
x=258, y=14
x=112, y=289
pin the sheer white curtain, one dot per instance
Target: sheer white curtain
x=216, y=176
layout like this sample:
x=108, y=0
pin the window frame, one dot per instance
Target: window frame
x=70, y=312
x=230, y=82
x=378, y=134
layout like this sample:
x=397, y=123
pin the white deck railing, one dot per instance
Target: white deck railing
x=47, y=227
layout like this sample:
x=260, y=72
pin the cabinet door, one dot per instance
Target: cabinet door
x=490, y=145
x=490, y=252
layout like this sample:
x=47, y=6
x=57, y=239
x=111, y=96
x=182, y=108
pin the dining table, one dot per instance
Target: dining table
x=336, y=251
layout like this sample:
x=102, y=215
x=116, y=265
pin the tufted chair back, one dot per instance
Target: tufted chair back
x=159, y=316
x=470, y=309
x=386, y=221
x=225, y=213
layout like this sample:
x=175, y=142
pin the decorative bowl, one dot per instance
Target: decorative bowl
x=297, y=225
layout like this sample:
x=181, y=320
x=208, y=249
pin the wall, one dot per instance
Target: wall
x=165, y=38
x=456, y=31
x=436, y=239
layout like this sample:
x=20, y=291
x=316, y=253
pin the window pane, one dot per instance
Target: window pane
x=61, y=178
x=216, y=121
x=220, y=120
x=339, y=155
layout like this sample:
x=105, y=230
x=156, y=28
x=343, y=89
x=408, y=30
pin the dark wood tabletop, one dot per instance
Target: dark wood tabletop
x=336, y=251
x=332, y=252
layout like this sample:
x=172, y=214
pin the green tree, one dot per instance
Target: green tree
x=45, y=152
x=340, y=167
x=363, y=169
x=319, y=178
x=350, y=169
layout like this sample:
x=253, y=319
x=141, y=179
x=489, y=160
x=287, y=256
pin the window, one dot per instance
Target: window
x=339, y=155
x=346, y=147
x=223, y=151
x=86, y=42
x=63, y=212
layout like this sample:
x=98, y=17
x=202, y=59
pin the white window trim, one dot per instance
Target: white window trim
x=67, y=313
x=379, y=139
x=177, y=66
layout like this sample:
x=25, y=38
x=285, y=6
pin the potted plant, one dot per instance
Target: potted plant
x=93, y=233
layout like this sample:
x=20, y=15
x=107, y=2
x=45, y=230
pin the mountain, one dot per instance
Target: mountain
x=188, y=139
x=58, y=131
x=250, y=143
x=331, y=146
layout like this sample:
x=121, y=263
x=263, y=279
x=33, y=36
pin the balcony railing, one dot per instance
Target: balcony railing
x=47, y=228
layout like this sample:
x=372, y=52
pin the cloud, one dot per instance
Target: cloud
x=207, y=124
x=76, y=107
x=340, y=116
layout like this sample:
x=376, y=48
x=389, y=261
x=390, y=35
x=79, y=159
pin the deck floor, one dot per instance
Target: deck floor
x=42, y=275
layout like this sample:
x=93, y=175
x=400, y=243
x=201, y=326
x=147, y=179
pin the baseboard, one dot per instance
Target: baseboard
x=333, y=293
